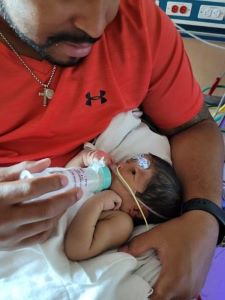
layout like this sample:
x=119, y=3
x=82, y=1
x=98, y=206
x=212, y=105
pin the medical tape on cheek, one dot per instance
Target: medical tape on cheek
x=123, y=181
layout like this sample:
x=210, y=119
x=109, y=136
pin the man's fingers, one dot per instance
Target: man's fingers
x=39, y=238
x=140, y=244
x=162, y=288
x=38, y=166
x=13, y=172
x=171, y=285
x=27, y=231
x=13, y=192
x=45, y=209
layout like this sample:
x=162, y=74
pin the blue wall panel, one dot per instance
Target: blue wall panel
x=209, y=24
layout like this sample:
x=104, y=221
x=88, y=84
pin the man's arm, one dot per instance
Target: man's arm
x=97, y=227
x=185, y=245
x=198, y=155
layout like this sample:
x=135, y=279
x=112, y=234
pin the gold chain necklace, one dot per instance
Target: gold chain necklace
x=47, y=93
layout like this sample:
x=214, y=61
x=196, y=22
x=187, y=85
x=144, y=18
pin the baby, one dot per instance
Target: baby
x=144, y=189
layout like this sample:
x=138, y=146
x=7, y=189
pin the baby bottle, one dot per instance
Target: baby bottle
x=94, y=178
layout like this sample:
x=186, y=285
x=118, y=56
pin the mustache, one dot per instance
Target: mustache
x=77, y=38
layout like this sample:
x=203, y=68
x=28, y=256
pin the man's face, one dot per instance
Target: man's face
x=61, y=31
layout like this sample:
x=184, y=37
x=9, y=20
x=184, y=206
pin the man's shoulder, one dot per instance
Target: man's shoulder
x=135, y=11
x=138, y=21
x=132, y=31
x=136, y=5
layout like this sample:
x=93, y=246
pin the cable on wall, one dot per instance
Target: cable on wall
x=199, y=39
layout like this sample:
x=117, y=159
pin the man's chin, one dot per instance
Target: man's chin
x=70, y=62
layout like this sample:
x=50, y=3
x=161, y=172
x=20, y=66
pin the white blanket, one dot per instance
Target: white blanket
x=42, y=272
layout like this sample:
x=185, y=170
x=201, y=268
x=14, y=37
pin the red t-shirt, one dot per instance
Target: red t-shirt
x=139, y=60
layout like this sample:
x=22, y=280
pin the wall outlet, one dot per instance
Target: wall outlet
x=211, y=12
x=182, y=9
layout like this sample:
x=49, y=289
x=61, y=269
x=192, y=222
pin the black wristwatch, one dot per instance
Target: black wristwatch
x=213, y=209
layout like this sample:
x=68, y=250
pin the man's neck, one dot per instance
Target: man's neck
x=21, y=47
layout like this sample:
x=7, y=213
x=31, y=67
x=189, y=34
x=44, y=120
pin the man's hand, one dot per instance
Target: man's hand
x=24, y=222
x=185, y=246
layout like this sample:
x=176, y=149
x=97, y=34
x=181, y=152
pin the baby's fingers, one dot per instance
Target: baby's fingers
x=117, y=203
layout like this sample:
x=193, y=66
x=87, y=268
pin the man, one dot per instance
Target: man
x=68, y=67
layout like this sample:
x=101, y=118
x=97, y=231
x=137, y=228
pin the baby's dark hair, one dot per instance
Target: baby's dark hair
x=163, y=193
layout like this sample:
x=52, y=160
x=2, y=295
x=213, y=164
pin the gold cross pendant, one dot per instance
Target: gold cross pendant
x=47, y=94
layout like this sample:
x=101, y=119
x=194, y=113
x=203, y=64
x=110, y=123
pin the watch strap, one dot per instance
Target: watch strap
x=210, y=207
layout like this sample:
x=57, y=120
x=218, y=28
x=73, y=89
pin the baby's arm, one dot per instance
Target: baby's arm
x=97, y=227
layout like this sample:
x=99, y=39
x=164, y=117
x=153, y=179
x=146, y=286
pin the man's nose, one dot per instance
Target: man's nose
x=93, y=20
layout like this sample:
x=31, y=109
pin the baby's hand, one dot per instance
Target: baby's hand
x=86, y=158
x=93, y=155
x=110, y=200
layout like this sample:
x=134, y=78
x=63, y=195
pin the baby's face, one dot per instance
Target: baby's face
x=137, y=173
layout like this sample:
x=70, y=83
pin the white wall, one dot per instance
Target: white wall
x=207, y=62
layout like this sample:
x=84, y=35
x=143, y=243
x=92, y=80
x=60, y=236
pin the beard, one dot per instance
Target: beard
x=77, y=37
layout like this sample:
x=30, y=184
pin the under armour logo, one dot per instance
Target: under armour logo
x=93, y=98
